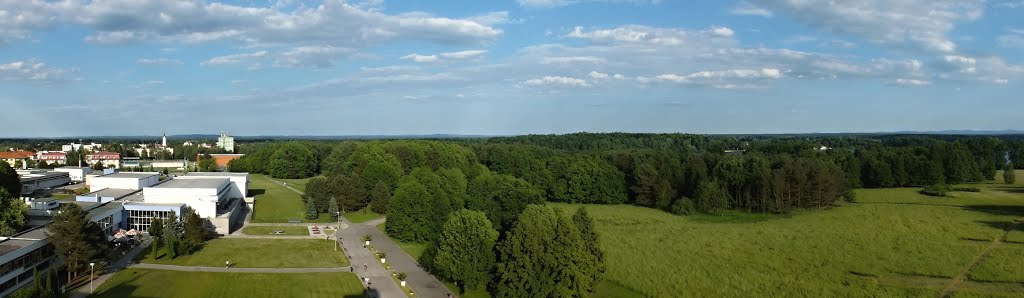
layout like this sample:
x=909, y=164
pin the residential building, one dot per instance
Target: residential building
x=53, y=157
x=226, y=142
x=17, y=159
x=107, y=159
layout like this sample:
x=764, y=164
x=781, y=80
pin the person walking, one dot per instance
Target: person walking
x=365, y=267
x=227, y=264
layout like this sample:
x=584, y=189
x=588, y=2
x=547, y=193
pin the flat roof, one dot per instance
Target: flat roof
x=107, y=207
x=137, y=175
x=216, y=174
x=111, y=192
x=194, y=183
x=39, y=175
x=18, y=241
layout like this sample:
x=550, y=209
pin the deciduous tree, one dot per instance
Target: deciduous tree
x=465, y=249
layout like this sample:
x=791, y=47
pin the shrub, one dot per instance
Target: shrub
x=937, y=190
x=400, y=275
x=683, y=206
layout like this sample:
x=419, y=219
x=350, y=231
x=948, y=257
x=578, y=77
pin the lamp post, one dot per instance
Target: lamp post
x=336, y=231
x=92, y=289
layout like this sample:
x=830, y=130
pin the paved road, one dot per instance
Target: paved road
x=380, y=280
x=424, y=284
x=239, y=270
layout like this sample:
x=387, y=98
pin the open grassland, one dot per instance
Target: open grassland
x=260, y=253
x=162, y=283
x=275, y=203
x=269, y=230
x=893, y=242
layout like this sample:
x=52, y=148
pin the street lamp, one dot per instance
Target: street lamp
x=336, y=231
x=92, y=289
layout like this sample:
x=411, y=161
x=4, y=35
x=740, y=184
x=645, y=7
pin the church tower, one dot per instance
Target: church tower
x=164, y=141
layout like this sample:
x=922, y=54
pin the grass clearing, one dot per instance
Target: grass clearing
x=269, y=230
x=299, y=184
x=162, y=283
x=806, y=253
x=276, y=204
x=415, y=250
x=1002, y=265
x=260, y=253
x=362, y=215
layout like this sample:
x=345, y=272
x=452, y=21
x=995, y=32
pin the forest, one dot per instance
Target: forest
x=678, y=173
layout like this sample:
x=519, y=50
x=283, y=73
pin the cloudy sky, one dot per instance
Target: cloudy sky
x=333, y=67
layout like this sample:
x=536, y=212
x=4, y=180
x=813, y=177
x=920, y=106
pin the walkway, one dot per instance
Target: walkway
x=380, y=280
x=117, y=265
x=239, y=270
x=424, y=284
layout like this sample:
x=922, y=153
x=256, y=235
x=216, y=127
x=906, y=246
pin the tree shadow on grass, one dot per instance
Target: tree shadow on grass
x=123, y=289
x=1009, y=189
x=256, y=192
x=996, y=209
x=368, y=293
x=1003, y=225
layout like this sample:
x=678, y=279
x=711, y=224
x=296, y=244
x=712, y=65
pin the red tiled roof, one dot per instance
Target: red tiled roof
x=16, y=154
x=102, y=155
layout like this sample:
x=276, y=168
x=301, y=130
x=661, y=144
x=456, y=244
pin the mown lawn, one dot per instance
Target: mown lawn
x=849, y=250
x=275, y=203
x=299, y=184
x=269, y=230
x=362, y=215
x=260, y=253
x=163, y=283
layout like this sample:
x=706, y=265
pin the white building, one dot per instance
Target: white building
x=239, y=181
x=77, y=174
x=133, y=181
x=215, y=199
x=226, y=142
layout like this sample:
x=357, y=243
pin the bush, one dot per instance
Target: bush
x=400, y=275
x=967, y=189
x=683, y=206
x=937, y=190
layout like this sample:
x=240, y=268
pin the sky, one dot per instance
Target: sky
x=375, y=67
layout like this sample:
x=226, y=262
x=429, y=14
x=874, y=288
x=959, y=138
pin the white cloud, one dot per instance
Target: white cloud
x=722, y=79
x=569, y=60
x=420, y=58
x=557, y=81
x=746, y=9
x=636, y=34
x=30, y=71
x=912, y=82
x=961, y=63
x=311, y=56
x=233, y=59
x=331, y=22
x=558, y=3
x=157, y=61
x=920, y=24
x=451, y=56
x=598, y=75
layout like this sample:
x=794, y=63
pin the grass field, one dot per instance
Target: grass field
x=299, y=184
x=359, y=215
x=412, y=248
x=161, y=283
x=269, y=230
x=885, y=245
x=1003, y=265
x=260, y=253
x=275, y=203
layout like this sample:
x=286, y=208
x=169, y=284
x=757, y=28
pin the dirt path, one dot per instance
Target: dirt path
x=959, y=278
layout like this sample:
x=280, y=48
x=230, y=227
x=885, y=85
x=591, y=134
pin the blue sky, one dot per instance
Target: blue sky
x=332, y=67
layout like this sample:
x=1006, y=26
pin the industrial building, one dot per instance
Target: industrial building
x=77, y=174
x=33, y=181
x=122, y=180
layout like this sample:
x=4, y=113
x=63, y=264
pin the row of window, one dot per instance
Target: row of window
x=141, y=219
x=41, y=254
